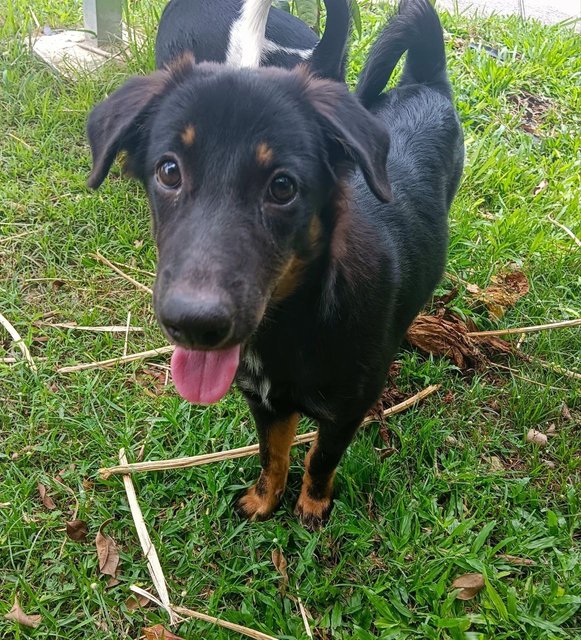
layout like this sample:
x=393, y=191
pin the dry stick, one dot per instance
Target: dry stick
x=18, y=340
x=566, y=230
x=153, y=563
x=189, y=613
x=305, y=619
x=242, y=452
x=17, y=235
x=533, y=329
x=126, y=342
x=122, y=265
x=517, y=375
x=127, y=277
x=142, y=355
x=114, y=328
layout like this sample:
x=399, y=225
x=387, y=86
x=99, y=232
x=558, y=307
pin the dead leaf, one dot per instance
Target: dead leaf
x=516, y=560
x=495, y=463
x=112, y=582
x=536, y=437
x=47, y=501
x=505, y=290
x=77, y=530
x=17, y=615
x=566, y=412
x=158, y=632
x=447, y=337
x=107, y=552
x=470, y=584
x=280, y=564
x=136, y=601
x=552, y=430
x=543, y=184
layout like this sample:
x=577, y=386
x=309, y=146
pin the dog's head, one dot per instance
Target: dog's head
x=238, y=166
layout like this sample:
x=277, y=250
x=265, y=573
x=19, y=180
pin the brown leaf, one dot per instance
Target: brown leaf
x=106, y=552
x=536, y=437
x=280, y=564
x=158, y=632
x=112, y=582
x=47, y=501
x=566, y=412
x=135, y=601
x=470, y=584
x=505, y=290
x=17, y=615
x=77, y=530
x=447, y=337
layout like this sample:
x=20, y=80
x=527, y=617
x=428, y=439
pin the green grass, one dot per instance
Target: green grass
x=402, y=528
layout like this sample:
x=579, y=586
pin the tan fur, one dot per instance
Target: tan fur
x=264, y=155
x=289, y=279
x=263, y=498
x=189, y=135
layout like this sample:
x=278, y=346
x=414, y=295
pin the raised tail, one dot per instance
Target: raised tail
x=329, y=57
x=416, y=29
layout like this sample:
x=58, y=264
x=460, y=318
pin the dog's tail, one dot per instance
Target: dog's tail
x=329, y=57
x=416, y=29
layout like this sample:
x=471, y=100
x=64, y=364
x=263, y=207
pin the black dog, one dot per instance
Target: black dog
x=233, y=31
x=280, y=240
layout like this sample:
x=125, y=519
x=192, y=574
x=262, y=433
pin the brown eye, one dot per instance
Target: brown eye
x=282, y=189
x=168, y=174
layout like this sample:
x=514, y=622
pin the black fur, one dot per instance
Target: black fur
x=320, y=292
x=202, y=28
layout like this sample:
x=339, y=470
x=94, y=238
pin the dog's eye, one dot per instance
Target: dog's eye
x=282, y=189
x=168, y=174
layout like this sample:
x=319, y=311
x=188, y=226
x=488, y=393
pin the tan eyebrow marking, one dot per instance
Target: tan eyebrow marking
x=189, y=135
x=263, y=154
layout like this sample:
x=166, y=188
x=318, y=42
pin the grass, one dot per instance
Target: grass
x=402, y=528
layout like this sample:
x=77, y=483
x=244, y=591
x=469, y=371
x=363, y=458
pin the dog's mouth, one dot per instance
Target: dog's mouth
x=204, y=377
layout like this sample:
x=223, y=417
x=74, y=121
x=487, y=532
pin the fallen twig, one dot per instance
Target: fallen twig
x=127, y=277
x=153, y=563
x=242, y=452
x=566, y=230
x=532, y=329
x=114, y=328
x=121, y=360
x=18, y=340
x=22, y=234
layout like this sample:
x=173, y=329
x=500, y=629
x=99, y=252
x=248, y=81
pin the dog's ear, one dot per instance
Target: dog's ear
x=114, y=125
x=360, y=135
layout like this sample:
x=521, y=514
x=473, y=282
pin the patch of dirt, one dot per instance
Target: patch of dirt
x=532, y=110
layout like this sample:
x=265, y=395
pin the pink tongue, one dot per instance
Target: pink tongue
x=203, y=377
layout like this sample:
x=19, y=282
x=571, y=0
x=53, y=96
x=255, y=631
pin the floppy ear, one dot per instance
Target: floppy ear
x=114, y=124
x=362, y=136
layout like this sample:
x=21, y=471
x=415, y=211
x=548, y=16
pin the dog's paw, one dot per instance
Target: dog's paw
x=313, y=513
x=254, y=505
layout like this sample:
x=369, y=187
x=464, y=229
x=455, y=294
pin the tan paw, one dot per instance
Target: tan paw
x=256, y=506
x=313, y=513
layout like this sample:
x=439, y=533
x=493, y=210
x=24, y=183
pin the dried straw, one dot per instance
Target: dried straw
x=127, y=277
x=18, y=340
x=153, y=563
x=533, y=329
x=142, y=355
x=566, y=230
x=114, y=328
x=242, y=452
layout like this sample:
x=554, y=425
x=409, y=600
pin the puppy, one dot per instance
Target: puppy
x=287, y=259
x=233, y=31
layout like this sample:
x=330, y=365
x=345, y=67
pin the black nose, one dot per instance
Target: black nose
x=202, y=322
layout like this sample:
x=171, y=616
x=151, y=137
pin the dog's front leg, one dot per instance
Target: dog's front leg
x=275, y=435
x=316, y=499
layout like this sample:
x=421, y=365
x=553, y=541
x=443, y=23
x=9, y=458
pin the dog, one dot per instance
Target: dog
x=287, y=259
x=249, y=33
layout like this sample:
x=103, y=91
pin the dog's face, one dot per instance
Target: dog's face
x=238, y=166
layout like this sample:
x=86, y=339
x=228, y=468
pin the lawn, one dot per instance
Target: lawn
x=463, y=491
